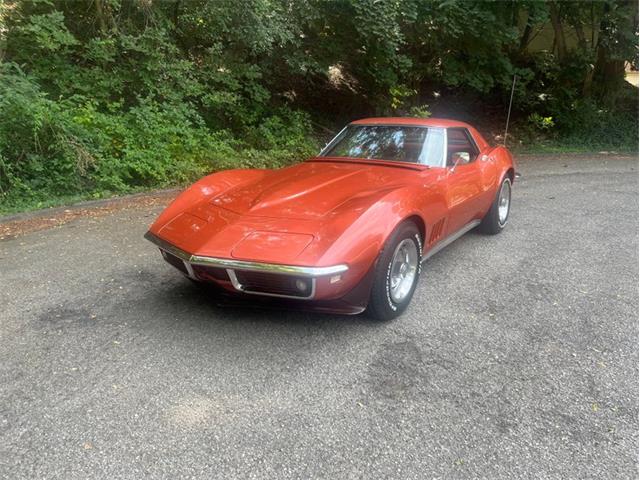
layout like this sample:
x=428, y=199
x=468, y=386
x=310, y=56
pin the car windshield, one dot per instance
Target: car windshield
x=420, y=145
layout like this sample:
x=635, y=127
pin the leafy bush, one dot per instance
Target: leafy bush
x=591, y=126
x=52, y=149
x=541, y=123
x=421, y=111
x=40, y=151
x=580, y=126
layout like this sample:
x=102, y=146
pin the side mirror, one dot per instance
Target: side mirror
x=459, y=157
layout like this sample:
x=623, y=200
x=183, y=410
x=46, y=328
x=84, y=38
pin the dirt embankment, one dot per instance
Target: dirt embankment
x=21, y=224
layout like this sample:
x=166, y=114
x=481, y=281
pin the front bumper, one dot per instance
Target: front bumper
x=283, y=277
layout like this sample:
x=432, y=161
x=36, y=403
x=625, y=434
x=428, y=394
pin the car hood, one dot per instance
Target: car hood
x=309, y=190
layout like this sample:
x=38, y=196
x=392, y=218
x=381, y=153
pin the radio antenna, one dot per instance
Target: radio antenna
x=506, y=128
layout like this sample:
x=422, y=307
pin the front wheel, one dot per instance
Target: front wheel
x=396, y=273
x=496, y=218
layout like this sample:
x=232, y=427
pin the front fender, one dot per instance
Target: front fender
x=363, y=237
x=204, y=189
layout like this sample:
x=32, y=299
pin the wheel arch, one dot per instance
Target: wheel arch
x=361, y=242
x=511, y=173
x=419, y=222
x=505, y=163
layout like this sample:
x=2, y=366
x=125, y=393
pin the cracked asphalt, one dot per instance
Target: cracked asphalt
x=518, y=357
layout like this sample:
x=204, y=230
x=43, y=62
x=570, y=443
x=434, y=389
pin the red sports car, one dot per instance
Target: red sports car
x=347, y=230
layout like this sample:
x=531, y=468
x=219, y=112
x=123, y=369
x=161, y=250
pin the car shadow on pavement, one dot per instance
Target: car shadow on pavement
x=208, y=305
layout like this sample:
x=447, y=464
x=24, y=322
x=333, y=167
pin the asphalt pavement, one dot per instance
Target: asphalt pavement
x=518, y=357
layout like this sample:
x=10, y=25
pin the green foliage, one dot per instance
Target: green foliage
x=53, y=149
x=399, y=96
x=421, y=111
x=47, y=32
x=541, y=123
x=582, y=126
x=37, y=151
x=593, y=126
x=112, y=96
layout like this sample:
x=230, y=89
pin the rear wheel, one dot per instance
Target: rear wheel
x=498, y=215
x=396, y=273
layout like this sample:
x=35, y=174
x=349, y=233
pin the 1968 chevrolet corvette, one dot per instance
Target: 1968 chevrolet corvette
x=347, y=230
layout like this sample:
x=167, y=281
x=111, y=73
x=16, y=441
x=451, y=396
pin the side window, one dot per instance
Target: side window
x=433, y=148
x=460, y=147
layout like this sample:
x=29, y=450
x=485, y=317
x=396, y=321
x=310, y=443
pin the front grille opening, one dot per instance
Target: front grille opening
x=175, y=261
x=275, y=283
x=210, y=273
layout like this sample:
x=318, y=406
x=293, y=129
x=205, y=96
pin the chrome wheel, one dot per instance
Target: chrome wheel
x=504, y=202
x=404, y=268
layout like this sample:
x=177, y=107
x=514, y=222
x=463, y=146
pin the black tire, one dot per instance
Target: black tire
x=381, y=304
x=491, y=223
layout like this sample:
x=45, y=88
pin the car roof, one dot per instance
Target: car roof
x=411, y=121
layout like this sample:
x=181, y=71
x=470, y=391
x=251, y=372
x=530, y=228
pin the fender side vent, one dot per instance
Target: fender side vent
x=436, y=231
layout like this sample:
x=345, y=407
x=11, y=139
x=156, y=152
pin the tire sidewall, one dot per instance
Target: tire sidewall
x=384, y=307
x=506, y=179
x=490, y=224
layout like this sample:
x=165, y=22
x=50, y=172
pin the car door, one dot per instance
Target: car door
x=464, y=182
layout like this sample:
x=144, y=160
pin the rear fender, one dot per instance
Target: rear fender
x=504, y=162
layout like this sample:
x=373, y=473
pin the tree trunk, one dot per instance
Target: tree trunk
x=176, y=14
x=526, y=35
x=582, y=40
x=588, y=82
x=100, y=16
x=583, y=45
x=556, y=23
x=104, y=17
x=608, y=74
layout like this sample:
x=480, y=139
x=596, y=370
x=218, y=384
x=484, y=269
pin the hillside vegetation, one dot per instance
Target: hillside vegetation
x=107, y=96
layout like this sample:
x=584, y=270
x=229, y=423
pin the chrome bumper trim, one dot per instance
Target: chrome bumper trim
x=244, y=265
